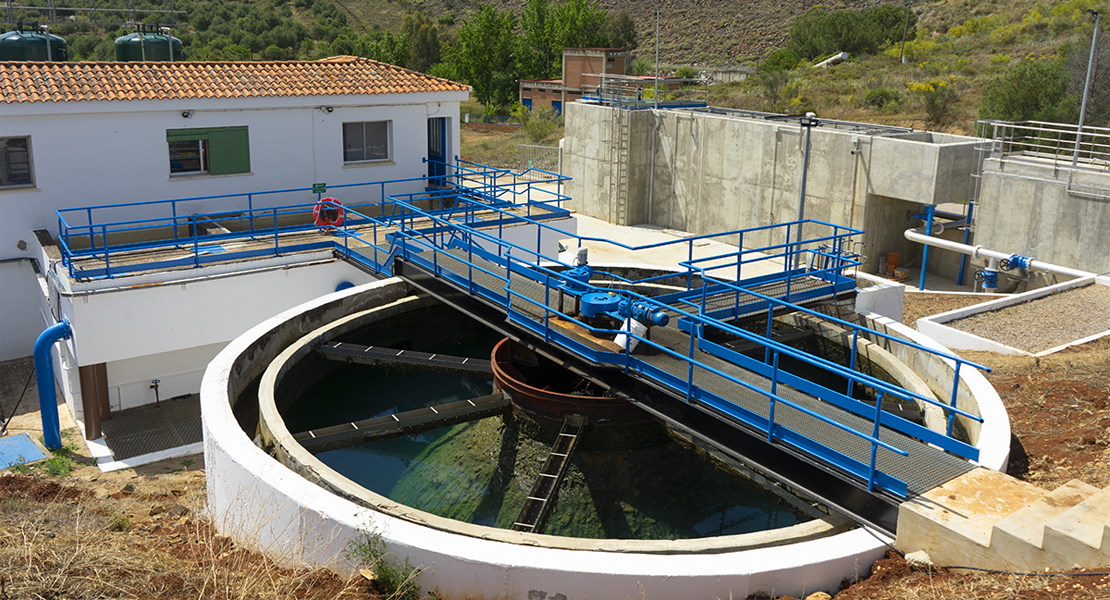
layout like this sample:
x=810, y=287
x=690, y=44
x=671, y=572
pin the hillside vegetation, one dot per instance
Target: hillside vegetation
x=1027, y=59
x=1011, y=64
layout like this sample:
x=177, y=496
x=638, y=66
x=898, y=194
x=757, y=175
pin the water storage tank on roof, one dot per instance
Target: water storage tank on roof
x=30, y=44
x=148, y=45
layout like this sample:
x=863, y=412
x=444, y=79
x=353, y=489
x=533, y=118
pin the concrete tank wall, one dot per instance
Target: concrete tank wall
x=1055, y=215
x=711, y=173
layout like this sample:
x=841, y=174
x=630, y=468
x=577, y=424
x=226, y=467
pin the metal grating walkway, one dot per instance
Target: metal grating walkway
x=153, y=427
x=925, y=468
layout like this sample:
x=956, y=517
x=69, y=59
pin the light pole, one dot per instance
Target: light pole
x=656, y=95
x=49, y=52
x=905, y=30
x=169, y=40
x=1086, y=87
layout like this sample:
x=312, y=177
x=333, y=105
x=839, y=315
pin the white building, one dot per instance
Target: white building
x=77, y=135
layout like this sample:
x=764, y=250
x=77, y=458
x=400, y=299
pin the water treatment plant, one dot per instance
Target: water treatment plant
x=519, y=392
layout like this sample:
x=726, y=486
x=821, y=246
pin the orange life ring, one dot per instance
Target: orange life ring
x=328, y=212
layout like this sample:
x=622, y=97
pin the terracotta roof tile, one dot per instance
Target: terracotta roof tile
x=338, y=75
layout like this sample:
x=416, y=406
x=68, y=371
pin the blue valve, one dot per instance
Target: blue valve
x=989, y=279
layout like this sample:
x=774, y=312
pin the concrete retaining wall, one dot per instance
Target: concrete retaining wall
x=1055, y=215
x=711, y=173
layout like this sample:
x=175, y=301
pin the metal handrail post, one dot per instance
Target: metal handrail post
x=771, y=400
x=955, y=394
x=107, y=255
x=874, y=446
x=852, y=361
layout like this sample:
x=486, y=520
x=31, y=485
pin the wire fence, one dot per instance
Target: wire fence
x=543, y=158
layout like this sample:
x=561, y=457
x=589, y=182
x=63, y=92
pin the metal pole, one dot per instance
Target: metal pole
x=49, y=53
x=657, y=60
x=169, y=40
x=808, y=121
x=905, y=30
x=1086, y=87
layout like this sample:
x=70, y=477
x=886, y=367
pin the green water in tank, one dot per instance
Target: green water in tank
x=480, y=472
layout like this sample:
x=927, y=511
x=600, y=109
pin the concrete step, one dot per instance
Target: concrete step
x=1017, y=541
x=955, y=522
x=1078, y=536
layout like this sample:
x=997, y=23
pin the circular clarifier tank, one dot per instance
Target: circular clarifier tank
x=640, y=504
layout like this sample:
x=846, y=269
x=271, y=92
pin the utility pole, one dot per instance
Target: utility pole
x=905, y=30
x=1086, y=87
x=657, y=59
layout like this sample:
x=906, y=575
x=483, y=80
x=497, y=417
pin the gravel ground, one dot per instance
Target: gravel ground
x=1044, y=323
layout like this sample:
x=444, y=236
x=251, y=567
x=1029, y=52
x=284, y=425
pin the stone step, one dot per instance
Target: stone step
x=954, y=522
x=1077, y=537
x=1017, y=541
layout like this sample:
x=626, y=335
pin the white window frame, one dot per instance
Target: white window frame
x=348, y=150
x=4, y=176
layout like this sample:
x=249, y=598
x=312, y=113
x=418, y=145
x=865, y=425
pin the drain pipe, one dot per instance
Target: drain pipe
x=44, y=377
x=996, y=260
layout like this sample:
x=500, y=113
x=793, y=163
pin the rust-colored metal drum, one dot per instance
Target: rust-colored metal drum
x=541, y=387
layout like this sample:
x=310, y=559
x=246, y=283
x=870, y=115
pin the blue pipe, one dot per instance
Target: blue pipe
x=44, y=377
x=925, y=249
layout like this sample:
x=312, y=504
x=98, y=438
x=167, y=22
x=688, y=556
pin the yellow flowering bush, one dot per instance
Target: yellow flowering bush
x=937, y=96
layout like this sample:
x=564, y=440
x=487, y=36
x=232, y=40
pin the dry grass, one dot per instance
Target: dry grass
x=136, y=538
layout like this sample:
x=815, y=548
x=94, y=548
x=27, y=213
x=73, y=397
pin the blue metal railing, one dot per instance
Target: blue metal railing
x=700, y=323
x=467, y=212
x=104, y=231
x=774, y=430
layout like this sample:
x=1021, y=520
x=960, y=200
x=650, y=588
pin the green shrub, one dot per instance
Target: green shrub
x=1033, y=89
x=58, y=465
x=119, y=521
x=915, y=50
x=937, y=97
x=880, y=96
x=686, y=72
x=397, y=580
x=782, y=59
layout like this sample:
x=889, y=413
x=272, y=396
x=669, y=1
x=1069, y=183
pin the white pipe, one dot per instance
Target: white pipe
x=917, y=234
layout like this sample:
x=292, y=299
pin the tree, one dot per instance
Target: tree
x=820, y=32
x=483, y=56
x=423, y=46
x=577, y=24
x=385, y=47
x=536, y=54
x=1035, y=89
x=1098, y=99
x=621, y=32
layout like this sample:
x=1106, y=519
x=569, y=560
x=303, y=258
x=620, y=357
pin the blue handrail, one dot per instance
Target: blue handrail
x=691, y=388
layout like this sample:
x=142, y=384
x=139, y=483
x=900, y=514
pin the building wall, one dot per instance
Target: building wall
x=170, y=331
x=96, y=153
x=90, y=153
x=20, y=294
x=712, y=173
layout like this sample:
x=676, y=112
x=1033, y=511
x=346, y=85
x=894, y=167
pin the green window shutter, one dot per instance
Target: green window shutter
x=228, y=151
x=228, y=147
x=186, y=135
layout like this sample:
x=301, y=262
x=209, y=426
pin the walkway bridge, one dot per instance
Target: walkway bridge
x=667, y=342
